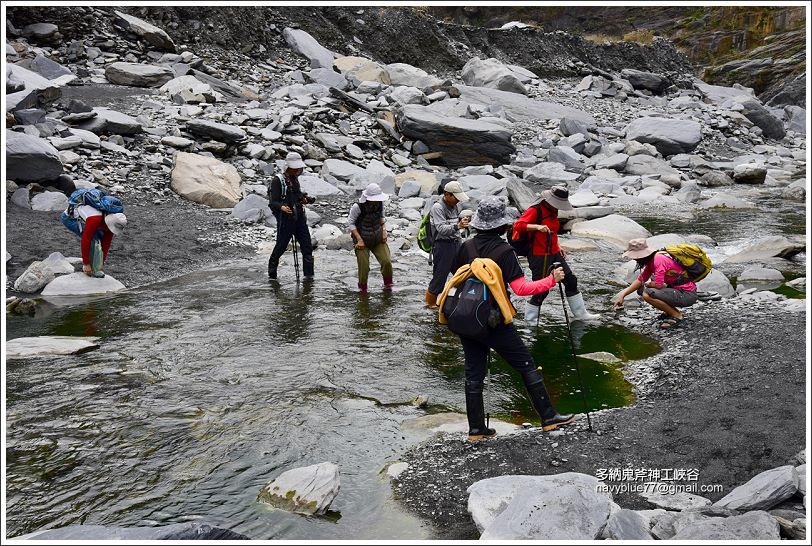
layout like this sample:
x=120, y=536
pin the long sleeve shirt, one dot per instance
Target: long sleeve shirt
x=666, y=271
x=444, y=220
x=543, y=244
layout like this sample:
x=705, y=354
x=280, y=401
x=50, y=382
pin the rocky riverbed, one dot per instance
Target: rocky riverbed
x=187, y=133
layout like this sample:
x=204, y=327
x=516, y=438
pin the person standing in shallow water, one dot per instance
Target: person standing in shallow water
x=367, y=225
x=447, y=227
x=287, y=202
x=491, y=222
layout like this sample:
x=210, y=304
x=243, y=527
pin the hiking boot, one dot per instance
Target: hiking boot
x=388, y=283
x=362, y=288
x=475, y=410
x=540, y=398
x=309, y=278
x=431, y=300
x=273, y=264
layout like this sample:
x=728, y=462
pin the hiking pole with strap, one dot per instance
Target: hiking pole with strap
x=572, y=345
x=296, y=258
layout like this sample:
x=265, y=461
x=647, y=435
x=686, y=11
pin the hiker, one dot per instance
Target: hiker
x=101, y=226
x=367, y=225
x=287, y=202
x=491, y=223
x=540, y=222
x=465, y=233
x=446, y=225
x=667, y=291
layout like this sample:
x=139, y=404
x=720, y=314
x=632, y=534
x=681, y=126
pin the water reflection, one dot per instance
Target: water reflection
x=290, y=315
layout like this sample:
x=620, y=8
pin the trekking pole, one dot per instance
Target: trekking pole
x=488, y=387
x=538, y=316
x=572, y=346
x=295, y=258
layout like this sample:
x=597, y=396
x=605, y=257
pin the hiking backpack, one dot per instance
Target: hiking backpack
x=470, y=308
x=693, y=259
x=94, y=197
x=425, y=235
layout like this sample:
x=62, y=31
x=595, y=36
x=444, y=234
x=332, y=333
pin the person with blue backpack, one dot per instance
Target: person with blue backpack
x=491, y=222
x=96, y=217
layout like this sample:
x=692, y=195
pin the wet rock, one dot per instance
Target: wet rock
x=669, y=136
x=614, y=228
x=601, y=356
x=138, y=75
x=491, y=73
x=768, y=247
x=689, y=192
x=30, y=159
x=459, y=141
x=23, y=347
x=763, y=491
x=307, y=490
x=205, y=180
x=750, y=173
x=49, y=200
x=757, y=525
x=150, y=33
x=646, y=80
x=79, y=284
x=726, y=201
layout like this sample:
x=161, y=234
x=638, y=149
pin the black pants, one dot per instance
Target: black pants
x=288, y=227
x=539, y=265
x=443, y=254
x=505, y=340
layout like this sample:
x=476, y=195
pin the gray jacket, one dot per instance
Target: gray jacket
x=444, y=220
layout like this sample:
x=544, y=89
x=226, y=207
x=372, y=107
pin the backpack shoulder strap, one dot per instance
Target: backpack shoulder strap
x=284, y=187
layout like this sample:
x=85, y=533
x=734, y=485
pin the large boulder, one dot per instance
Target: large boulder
x=111, y=121
x=189, y=87
x=763, y=491
x=461, y=142
x=30, y=159
x=49, y=201
x=550, y=174
x=519, y=194
x=427, y=182
x=46, y=67
x=23, y=347
x=205, y=180
x=361, y=69
x=615, y=228
x=222, y=132
x=253, y=208
x=138, y=75
x=34, y=278
x=491, y=73
x=304, y=44
x=669, y=136
x=307, y=490
x=627, y=525
x=771, y=126
x=27, y=89
x=316, y=186
x=150, y=33
x=757, y=525
x=764, y=249
x=79, y=284
x=406, y=74
x=646, y=80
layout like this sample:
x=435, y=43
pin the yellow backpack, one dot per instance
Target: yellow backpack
x=693, y=260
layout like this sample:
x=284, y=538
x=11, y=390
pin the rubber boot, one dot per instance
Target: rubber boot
x=273, y=264
x=531, y=312
x=578, y=309
x=388, y=283
x=308, y=267
x=431, y=300
x=475, y=409
x=362, y=288
x=550, y=418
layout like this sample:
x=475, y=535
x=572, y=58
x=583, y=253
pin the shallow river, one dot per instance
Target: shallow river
x=208, y=386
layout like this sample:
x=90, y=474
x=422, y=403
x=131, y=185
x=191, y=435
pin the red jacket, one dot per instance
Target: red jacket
x=544, y=244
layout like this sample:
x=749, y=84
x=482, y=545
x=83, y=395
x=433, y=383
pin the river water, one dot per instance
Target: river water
x=208, y=386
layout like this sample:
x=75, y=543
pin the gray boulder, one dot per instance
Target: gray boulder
x=775, y=246
x=627, y=525
x=461, y=142
x=406, y=74
x=569, y=126
x=150, y=33
x=253, y=208
x=79, y=284
x=669, y=136
x=750, y=173
x=647, y=165
x=549, y=174
x=34, y=278
x=491, y=73
x=21, y=198
x=138, y=75
x=217, y=131
x=517, y=107
x=30, y=159
x=41, y=31
x=615, y=228
x=205, y=180
x=716, y=281
x=49, y=201
x=307, y=490
x=757, y=525
x=763, y=491
x=715, y=179
x=519, y=194
x=45, y=67
x=567, y=157
x=646, y=80
x=304, y=44
x=340, y=169
x=111, y=121
x=771, y=126
x=328, y=77
x=27, y=89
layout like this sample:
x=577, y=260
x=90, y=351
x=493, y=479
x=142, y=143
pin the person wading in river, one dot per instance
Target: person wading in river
x=367, y=225
x=667, y=291
x=287, y=201
x=447, y=226
x=491, y=222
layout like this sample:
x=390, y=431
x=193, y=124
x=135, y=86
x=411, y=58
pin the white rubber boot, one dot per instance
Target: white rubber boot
x=531, y=312
x=578, y=309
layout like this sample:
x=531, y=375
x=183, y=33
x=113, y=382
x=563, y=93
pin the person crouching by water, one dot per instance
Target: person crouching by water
x=287, y=201
x=491, y=222
x=667, y=291
x=367, y=225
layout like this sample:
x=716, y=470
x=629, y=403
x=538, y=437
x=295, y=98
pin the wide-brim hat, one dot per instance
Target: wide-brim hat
x=294, y=161
x=373, y=192
x=455, y=188
x=638, y=248
x=116, y=222
x=557, y=196
x=490, y=214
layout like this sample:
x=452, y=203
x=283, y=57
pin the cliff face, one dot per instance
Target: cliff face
x=759, y=47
